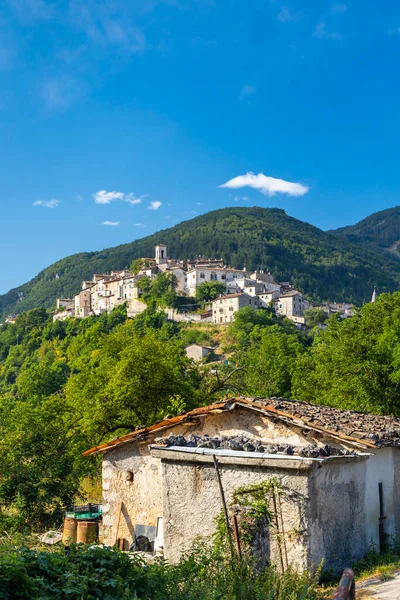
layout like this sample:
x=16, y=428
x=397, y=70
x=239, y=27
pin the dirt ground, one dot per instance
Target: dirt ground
x=381, y=590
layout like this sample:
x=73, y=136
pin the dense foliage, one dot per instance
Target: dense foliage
x=324, y=265
x=102, y=573
x=67, y=386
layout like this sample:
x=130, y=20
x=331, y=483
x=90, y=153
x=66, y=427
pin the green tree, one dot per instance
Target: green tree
x=355, y=363
x=268, y=364
x=161, y=292
x=209, y=290
x=315, y=316
x=129, y=381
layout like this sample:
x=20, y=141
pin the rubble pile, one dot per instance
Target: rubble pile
x=244, y=444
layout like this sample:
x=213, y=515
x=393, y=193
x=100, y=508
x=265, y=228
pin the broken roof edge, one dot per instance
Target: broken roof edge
x=240, y=457
x=229, y=404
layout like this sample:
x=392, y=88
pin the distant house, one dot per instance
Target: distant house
x=338, y=471
x=197, y=352
x=224, y=307
x=291, y=304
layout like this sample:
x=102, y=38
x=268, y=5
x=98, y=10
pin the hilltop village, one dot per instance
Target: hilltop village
x=256, y=289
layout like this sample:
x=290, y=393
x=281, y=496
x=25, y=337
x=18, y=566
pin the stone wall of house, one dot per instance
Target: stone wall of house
x=141, y=498
x=135, y=307
x=192, y=502
x=336, y=523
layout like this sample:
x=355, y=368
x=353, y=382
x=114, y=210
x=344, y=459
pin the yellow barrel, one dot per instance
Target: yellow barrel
x=69, y=531
x=86, y=532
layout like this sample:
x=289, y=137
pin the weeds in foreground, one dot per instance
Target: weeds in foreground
x=379, y=563
x=88, y=573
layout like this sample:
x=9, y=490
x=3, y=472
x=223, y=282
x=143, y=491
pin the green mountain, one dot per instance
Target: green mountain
x=380, y=230
x=325, y=265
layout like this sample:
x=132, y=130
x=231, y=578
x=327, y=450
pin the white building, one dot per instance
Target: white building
x=197, y=352
x=338, y=472
x=198, y=275
x=291, y=304
x=224, y=307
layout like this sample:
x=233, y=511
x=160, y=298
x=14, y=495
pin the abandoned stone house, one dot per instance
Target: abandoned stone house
x=338, y=474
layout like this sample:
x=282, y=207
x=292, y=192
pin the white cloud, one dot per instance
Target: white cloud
x=47, y=203
x=286, y=15
x=247, y=90
x=269, y=186
x=321, y=32
x=140, y=225
x=155, y=205
x=104, y=197
x=110, y=223
x=338, y=8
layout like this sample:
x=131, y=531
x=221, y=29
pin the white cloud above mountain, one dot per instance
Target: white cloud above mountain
x=104, y=197
x=269, y=186
x=110, y=223
x=47, y=203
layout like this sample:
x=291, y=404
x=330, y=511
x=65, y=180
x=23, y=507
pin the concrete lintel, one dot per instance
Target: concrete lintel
x=253, y=460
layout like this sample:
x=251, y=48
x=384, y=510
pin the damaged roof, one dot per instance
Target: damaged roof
x=357, y=428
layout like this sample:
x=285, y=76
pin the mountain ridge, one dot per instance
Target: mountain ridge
x=380, y=230
x=326, y=265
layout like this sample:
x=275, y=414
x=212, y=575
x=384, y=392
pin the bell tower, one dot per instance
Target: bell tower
x=161, y=254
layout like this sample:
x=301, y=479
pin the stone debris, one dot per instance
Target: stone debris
x=244, y=444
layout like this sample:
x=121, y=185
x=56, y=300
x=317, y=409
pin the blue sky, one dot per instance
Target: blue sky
x=133, y=113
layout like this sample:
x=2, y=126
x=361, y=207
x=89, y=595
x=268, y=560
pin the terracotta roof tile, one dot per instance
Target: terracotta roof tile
x=362, y=429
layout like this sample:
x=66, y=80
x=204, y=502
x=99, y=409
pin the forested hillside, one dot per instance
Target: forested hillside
x=379, y=231
x=324, y=265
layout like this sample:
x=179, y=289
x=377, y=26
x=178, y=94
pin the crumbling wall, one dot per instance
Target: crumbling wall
x=192, y=502
x=251, y=424
x=337, y=519
x=141, y=498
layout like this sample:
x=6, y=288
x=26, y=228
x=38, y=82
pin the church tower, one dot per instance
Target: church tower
x=373, y=295
x=161, y=254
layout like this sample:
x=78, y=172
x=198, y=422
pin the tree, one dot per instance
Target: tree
x=130, y=381
x=270, y=361
x=161, y=292
x=355, y=363
x=315, y=316
x=209, y=290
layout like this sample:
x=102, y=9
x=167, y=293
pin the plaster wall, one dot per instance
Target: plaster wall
x=337, y=532
x=141, y=498
x=251, y=424
x=192, y=501
x=380, y=469
x=396, y=490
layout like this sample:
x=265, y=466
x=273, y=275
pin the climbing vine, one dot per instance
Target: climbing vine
x=253, y=503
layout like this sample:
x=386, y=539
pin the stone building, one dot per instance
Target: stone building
x=224, y=307
x=338, y=473
x=291, y=304
x=198, y=352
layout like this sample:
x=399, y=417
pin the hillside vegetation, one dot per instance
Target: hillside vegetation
x=324, y=265
x=379, y=231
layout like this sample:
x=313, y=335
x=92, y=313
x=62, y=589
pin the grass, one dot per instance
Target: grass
x=376, y=564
